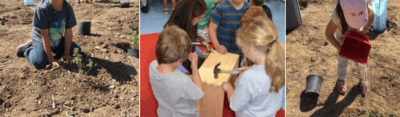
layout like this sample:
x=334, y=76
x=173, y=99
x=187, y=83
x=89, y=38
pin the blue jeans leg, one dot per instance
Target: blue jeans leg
x=36, y=55
x=59, y=51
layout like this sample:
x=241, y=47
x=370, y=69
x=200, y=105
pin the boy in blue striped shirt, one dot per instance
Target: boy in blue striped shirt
x=225, y=21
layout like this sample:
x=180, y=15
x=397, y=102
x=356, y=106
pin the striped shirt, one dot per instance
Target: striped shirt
x=228, y=20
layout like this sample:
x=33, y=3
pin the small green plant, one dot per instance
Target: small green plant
x=369, y=114
x=134, y=39
x=78, y=61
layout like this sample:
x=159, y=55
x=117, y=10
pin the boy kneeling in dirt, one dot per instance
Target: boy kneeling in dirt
x=175, y=91
x=51, y=19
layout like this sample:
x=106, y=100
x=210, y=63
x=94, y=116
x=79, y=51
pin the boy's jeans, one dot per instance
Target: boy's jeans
x=38, y=57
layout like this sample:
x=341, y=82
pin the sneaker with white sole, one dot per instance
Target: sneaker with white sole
x=21, y=48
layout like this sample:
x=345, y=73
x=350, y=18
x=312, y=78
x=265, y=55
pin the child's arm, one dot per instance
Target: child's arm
x=218, y=1
x=238, y=97
x=195, y=73
x=196, y=76
x=228, y=88
x=71, y=22
x=241, y=68
x=213, y=37
x=369, y=24
x=330, y=29
x=47, y=47
x=68, y=40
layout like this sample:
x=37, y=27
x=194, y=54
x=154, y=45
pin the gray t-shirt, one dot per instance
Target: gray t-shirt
x=175, y=93
x=252, y=98
x=46, y=17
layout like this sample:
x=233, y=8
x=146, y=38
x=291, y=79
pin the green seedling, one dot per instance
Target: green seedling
x=78, y=61
x=368, y=115
x=134, y=39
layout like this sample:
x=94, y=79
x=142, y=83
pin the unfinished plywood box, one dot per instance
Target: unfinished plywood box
x=213, y=100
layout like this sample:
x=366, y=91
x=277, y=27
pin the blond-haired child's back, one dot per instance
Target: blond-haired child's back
x=252, y=97
x=175, y=93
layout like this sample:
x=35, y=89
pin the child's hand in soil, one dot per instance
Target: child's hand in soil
x=54, y=63
x=67, y=58
x=194, y=59
x=226, y=86
x=221, y=49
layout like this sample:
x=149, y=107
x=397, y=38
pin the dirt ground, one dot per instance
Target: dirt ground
x=310, y=53
x=110, y=88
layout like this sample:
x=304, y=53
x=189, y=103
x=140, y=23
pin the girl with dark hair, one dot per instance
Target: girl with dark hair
x=187, y=14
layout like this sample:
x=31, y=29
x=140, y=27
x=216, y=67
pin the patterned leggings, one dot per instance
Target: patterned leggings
x=342, y=64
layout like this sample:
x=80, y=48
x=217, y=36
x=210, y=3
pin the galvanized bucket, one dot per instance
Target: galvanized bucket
x=313, y=86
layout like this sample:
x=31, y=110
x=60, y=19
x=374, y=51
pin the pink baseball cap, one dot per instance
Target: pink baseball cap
x=355, y=12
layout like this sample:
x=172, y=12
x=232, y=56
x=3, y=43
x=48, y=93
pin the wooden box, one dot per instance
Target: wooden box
x=211, y=105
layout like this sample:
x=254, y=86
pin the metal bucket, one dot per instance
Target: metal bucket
x=84, y=27
x=313, y=86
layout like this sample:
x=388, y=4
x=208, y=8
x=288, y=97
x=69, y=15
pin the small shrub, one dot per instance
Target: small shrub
x=135, y=39
x=78, y=61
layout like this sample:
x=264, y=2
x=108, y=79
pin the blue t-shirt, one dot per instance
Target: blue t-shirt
x=252, y=97
x=46, y=17
x=175, y=93
x=228, y=20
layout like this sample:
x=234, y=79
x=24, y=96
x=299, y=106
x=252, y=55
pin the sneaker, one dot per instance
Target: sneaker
x=145, y=9
x=21, y=48
x=166, y=11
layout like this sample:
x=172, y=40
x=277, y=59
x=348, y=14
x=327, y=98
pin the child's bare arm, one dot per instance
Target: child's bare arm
x=330, y=29
x=47, y=47
x=228, y=88
x=241, y=68
x=213, y=37
x=68, y=41
x=195, y=72
x=218, y=1
x=369, y=23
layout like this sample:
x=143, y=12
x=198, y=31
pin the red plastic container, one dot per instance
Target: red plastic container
x=356, y=47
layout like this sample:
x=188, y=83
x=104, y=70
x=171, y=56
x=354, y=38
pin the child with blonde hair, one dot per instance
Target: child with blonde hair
x=258, y=90
x=348, y=15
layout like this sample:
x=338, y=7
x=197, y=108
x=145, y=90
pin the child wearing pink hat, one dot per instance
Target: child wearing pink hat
x=348, y=15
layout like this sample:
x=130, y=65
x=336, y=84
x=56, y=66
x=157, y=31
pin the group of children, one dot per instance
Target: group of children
x=258, y=90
